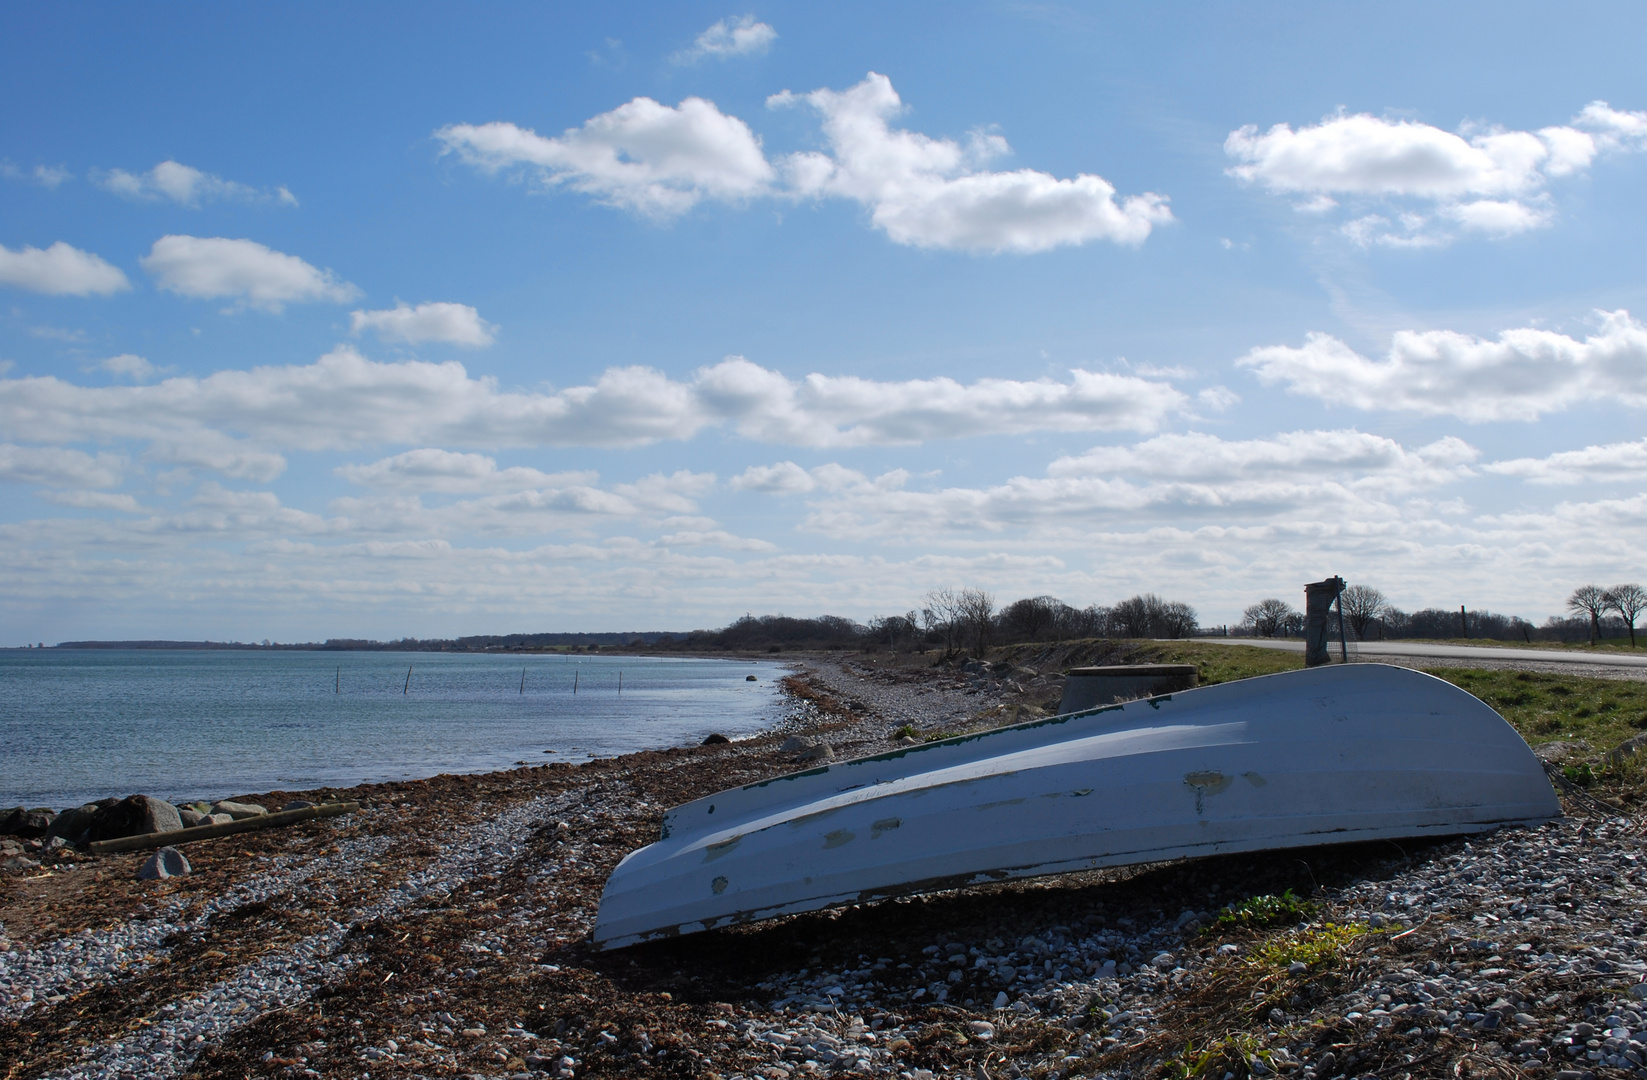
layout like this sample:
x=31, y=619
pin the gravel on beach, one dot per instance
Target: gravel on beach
x=443, y=931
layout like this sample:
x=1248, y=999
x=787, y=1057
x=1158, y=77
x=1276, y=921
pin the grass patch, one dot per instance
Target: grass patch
x=1215, y=663
x=1550, y=708
x=1321, y=947
x=1267, y=910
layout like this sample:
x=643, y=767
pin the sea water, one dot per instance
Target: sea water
x=84, y=724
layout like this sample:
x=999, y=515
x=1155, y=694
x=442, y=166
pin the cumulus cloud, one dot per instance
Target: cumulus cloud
x=433, y=469
x=922, y=191
x=642, y=156
x=243, y=270
x=1483, y=179
x=185, y=186
x=453, y=324
x=47, y=176
x=1624, y=462
x=1520, y=376
x=129, y=366
x=937, y=193
x=742, y=36
x=60, y=467
x=1191, y=480
x=238, y=419
x=60, y=270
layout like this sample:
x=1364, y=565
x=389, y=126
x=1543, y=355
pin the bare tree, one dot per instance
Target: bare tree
x=1629, y=601
x=1178, y=620
x=977, y=617
x=1590, y=600
x=1269, y=617
x=1362, y=605
x=942, y=615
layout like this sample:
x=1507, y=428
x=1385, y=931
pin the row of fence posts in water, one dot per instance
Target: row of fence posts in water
x=406, y=689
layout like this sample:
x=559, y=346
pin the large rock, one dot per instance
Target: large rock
x=29, y=824
x=1628, y=748
x=135, y=815
x=168, y=862
x=238, y=810
x=75, y=825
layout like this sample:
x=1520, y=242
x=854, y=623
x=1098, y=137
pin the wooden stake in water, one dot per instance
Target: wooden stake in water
x=523, y=680
x=574, y=682
x=620, y=682
x=408, y=685
x=338, y=689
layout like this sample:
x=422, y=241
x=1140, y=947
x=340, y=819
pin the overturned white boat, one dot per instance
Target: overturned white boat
x=1328, y=755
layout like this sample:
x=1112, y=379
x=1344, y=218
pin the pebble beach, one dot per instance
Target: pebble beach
x=442, y=930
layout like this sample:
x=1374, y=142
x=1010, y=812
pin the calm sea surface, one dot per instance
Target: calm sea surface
x=77, y=725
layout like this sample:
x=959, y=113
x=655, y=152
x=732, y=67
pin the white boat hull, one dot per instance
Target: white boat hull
x=1329, y=755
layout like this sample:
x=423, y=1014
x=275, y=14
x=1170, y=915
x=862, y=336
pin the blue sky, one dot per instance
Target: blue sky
x=429, y=320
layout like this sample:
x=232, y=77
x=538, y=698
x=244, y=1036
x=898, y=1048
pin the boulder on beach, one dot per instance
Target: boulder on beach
x=168, y=862
x=29, y=824
x=238, y=810
x=191, y=817
x=135, y=815
x=75, y=825
x=716, y=740
x=297, y=804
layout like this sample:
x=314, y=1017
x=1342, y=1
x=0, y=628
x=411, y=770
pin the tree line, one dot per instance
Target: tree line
x=1597, y=613
x=957, y=621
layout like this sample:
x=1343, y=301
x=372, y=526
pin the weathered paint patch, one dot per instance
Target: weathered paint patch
x=1204, y=784
x=839, y=838
x=718, y=885
x=884, y=825
x=1254, y=779
x=715, y=851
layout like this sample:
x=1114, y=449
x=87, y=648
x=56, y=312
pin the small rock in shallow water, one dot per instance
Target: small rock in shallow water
x=716, y=739
x=168, y=862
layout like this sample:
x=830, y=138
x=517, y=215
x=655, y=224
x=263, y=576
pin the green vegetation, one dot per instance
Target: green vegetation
x=1218, y=663
x=1550, y=708
x=1319, y=947
x=1234, y=1053
x=905, y=731
x=1267, y=910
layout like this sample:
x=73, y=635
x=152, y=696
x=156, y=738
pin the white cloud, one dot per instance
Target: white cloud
x=1520, y=376
x=642, y=156
x=454, y=324
x=936, y=193
x=47, y=176
x=1191, y=479
x=720, y=538
x=1614, y=130
x=784, y=478
x=432, y=469
x=742, y=36
x=185, y=186
x=129, y=366
x=344, y=400
x=1613, y=463
x=1488, y=180
x=94, y=500
x=60, y=467
x=60, y=270
x=926, y=192
x=256, y=276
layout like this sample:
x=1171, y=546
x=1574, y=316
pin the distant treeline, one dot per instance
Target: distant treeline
x=475, y=643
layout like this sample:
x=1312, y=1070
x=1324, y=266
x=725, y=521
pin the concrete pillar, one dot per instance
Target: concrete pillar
x=1318, y=598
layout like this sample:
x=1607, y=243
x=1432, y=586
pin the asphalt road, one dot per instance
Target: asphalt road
x=1371, y=649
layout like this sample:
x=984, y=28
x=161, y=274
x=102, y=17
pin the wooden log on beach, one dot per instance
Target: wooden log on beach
x=206, y=832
